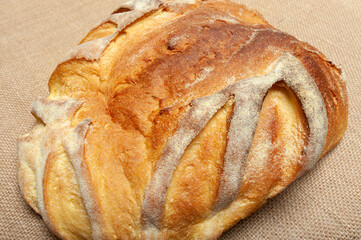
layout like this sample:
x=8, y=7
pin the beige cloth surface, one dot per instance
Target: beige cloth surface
x=323, y=204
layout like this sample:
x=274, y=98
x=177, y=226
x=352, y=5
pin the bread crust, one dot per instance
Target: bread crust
x=146, y=80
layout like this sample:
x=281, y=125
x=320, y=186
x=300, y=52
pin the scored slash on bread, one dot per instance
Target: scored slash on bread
x=248, y=95
x=177, y=119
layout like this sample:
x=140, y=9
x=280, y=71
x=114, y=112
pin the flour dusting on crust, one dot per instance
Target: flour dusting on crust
x=50, y=111
x=44, y=140
x=74, y=147
x=29, y=155
x=93, y=50
x=193, y=122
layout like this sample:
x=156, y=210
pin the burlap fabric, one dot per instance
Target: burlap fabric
x=323, y=204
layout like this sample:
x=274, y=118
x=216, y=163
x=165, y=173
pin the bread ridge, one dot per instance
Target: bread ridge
x=130, y=91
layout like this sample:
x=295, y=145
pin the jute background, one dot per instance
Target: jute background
x=323, y=204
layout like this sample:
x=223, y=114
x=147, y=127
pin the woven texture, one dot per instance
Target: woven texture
x=323, y=204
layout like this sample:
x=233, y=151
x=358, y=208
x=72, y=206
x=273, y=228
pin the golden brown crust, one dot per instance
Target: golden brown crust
x=151, y=70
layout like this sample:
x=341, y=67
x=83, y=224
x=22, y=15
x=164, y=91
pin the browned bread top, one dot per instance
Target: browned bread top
x=176, y=119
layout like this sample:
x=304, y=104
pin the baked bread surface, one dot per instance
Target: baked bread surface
x=175, y=120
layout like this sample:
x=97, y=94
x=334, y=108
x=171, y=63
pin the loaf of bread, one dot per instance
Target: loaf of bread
x=175, y=120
